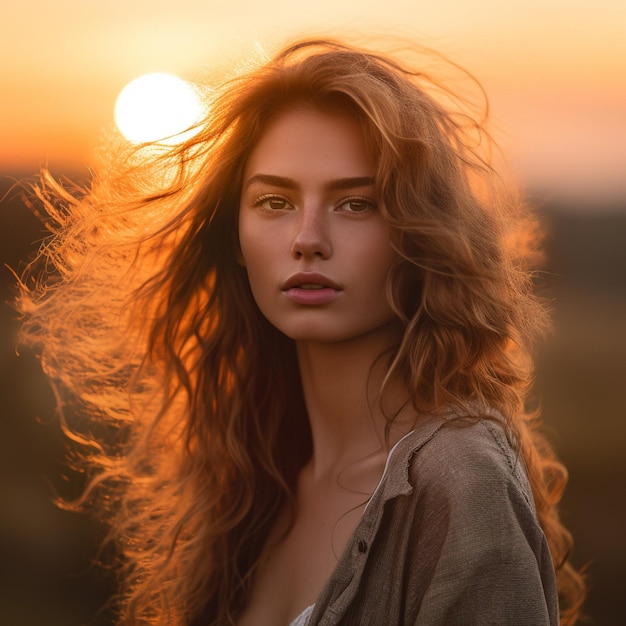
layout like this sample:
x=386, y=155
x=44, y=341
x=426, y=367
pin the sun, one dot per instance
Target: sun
x=158, y=107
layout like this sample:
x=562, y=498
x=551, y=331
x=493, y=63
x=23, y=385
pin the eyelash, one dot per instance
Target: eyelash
x=366, y=202
x=261, y=200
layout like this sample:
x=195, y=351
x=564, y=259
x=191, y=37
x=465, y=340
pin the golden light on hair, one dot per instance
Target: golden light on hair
x=158, y=107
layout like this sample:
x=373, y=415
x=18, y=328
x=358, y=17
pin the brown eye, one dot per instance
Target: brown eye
x=276, y=203
x=272, y=203
x=357, y=205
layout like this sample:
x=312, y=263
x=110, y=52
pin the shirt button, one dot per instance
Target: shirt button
x=362, y=546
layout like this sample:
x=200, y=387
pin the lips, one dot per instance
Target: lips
x=311, y=289
x=310, y=281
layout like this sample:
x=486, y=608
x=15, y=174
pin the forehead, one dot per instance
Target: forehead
x=304, y=141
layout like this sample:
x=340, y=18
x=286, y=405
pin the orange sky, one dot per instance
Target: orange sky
x=555, y=70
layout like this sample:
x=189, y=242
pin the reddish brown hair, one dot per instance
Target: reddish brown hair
x=147, y=317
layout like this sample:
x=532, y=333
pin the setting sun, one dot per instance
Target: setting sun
x=157, y=107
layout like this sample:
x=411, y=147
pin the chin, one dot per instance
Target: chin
x=310, y=333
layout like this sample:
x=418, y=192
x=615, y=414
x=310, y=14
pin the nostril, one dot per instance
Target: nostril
x=311, y=244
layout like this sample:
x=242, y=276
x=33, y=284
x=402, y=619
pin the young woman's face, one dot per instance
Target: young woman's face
x=316, y=249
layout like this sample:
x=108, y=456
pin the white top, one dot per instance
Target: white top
x=303, y=618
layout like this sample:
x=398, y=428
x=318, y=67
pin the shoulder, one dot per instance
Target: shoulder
x=468, y=440
x=465, y=458
x=470, y=495
x=464, y=479
x=477, y=550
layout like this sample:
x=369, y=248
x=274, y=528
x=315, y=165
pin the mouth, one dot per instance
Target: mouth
x=310, y=286
x=310, y=281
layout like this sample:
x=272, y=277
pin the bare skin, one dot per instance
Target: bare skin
x=308, y=210
x=333, y=488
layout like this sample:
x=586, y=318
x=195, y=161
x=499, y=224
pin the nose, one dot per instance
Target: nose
x=312, y=237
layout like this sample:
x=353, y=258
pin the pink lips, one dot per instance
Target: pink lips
x=311, y=288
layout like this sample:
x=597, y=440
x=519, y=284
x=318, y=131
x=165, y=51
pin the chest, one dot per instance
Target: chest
x=299, y=559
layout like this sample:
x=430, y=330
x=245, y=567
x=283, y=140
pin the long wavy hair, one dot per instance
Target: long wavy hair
x=189, y=415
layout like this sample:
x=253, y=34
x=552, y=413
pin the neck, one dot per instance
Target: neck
x=341, y=383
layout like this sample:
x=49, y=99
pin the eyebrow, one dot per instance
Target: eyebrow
x=336, y=184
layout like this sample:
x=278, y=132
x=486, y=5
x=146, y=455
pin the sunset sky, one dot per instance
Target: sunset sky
x=555, y=70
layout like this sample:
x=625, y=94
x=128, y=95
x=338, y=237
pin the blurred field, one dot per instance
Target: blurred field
x=581, y=380
x=46, y=576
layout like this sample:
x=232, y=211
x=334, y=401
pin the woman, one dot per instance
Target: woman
x=304, y=360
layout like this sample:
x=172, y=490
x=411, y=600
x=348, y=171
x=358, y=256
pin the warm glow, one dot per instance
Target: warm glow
x=157, y=107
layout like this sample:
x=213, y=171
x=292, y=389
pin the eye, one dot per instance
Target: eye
x=357, y=205
x=272, y=203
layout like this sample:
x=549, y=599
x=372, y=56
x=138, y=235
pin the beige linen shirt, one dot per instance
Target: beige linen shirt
x=449, y=538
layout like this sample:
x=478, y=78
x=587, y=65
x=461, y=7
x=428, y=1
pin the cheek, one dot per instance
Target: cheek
x=378, y=258
x=257, y=239
x=248, y=243
x=254, y=254
x=257, y=259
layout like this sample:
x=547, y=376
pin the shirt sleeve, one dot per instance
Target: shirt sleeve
x=477, y=547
